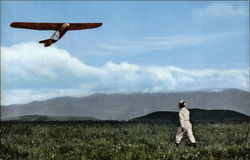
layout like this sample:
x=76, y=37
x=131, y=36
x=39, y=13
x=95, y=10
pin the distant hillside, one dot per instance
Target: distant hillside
x=127, y=106
x=197, y=115
x=217, y=115
x=159, y=116
x=49, y=118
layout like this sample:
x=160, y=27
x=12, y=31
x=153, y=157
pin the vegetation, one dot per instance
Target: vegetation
x=114, y=140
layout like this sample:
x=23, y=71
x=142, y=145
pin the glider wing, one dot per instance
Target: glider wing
x=54, y=26
x=37, y=26
x=79, y=26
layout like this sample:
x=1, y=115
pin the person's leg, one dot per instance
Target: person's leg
x=191, y=136
x=178, y=136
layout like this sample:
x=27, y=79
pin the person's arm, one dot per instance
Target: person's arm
x=181, y=121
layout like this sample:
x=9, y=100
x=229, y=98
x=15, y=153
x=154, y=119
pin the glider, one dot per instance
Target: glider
x=60, y=29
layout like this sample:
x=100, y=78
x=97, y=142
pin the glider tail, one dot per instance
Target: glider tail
x=47, y=42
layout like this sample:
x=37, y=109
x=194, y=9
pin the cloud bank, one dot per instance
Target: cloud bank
x=31, y=72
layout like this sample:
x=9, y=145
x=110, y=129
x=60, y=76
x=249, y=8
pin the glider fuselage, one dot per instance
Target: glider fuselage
x=58, y=34
x=64, y=28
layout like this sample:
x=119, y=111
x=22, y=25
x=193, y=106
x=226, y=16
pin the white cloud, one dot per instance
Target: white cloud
x=222, y=10
x=31, y=72
x=33, y=61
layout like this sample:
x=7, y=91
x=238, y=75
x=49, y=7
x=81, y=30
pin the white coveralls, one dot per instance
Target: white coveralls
x=186, y=125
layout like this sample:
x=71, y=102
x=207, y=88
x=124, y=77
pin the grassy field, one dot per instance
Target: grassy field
x=112, y=140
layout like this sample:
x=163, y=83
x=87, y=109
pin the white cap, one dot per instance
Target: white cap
x=182, y=103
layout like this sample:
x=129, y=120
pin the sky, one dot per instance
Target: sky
x=142, y=46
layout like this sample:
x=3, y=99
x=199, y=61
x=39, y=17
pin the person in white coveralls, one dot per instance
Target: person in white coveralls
x=186, y=126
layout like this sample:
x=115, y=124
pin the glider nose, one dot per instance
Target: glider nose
x=65, y=25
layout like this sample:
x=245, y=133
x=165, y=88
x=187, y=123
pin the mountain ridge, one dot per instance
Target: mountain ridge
x=127, y=106
x=196, y=116
x=35, y=118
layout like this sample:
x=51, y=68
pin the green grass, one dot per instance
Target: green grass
x=111, y=140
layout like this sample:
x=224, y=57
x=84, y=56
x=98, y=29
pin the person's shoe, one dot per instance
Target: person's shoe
x=177, y=144
x=193, y=145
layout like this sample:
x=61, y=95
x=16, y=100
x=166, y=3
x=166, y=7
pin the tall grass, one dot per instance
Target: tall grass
x=113, y=140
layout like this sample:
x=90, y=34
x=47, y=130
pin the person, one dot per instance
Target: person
x=185, y=125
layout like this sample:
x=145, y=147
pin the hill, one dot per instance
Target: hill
x=128, y=106
x=41, y=118
x=197, y=115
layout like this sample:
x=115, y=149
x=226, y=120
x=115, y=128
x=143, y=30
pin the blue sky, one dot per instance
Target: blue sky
x=142, y=47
